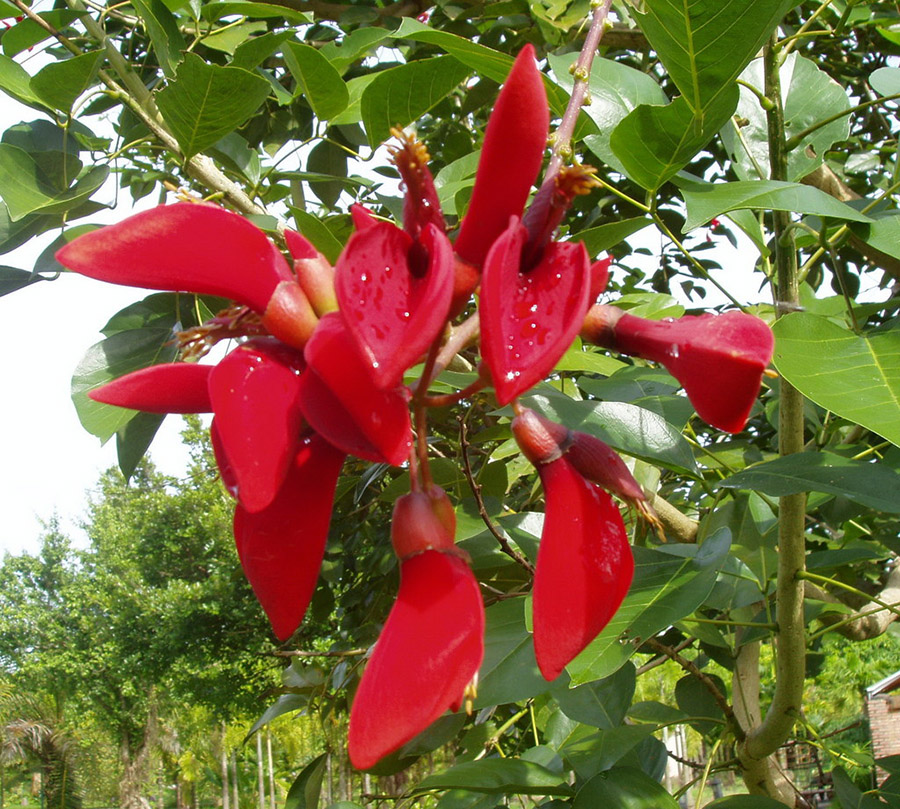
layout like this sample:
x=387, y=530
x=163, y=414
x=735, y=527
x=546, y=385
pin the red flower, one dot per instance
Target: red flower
x=432, y=643
x=281, y=546
x=192, y=247
x=584, y=565
x=718, y=359
x=172, y=387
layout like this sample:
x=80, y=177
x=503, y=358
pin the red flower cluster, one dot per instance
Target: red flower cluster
x=319, y=374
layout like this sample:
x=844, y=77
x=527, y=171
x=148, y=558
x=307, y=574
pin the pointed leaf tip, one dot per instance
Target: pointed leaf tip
x=428, y=652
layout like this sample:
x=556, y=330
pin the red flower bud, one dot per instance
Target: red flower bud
x=314, y=272
x=584, y=567
x=718, y=359
x=423, y=521
x=541, y=440
x=340, y=402
x=599, y=278
x=511, y=157
x=192, y=247
x=281, y=547
x=255, y=393
x=599, y=463
x=172, y=387
x=392, y=306
x=428, y=653
x=530, y=317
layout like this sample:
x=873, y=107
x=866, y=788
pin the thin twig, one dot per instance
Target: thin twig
x=482, y=511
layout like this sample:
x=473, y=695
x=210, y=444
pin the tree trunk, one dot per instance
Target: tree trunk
x=271, y=770
x=236, y=801
x=226, y=802
x=135, y=763
x=260, y=772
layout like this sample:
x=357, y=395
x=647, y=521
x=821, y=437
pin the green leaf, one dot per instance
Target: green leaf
x=12, y=279
x=850, y=795
x=601, y=704
x=318, y=233
x=604, y=237
x=656, y=713
x=885, y=81
x=665, y=589
x=25, y=189
x=286, y=703
x=15, y=81
x=250, y=53
x=134, y=439
x=111, y=358
x=705, y=44
x=329, y=159
x=654, y=143
x=809, y=95
x=707, y=201
x=856, y=376
x=623, y=426
x=59, y=84
x=615, y=90
x=870, y=484
x=229, y=38
x=598, y=752
x=400, y=95
x=509, y=671
x=307, y=787
x=587, y=360
x=162, y=27
x=27, y=33
x=883, y=233
x=623, y=788
x=246, y=8
x=745, y=802
x=695, y=699
x=318, y=80
x=205, y=102
x=498, y=776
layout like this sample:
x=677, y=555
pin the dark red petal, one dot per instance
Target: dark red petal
x=255, y=393
x=718, y=359
x=173, y=387
x=362, y=217
x=393, y=312
x=599, y=277
x=340, y=402
x=299, y=246
x=281, y=547
x=183, y=247
x=584, y=567
x=601, y=464
x=226, y=473
x=529, y=319
x=510, y=159
x=428, y=652
x=541, y=440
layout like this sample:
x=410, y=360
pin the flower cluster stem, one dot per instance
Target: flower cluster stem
x=562, y=146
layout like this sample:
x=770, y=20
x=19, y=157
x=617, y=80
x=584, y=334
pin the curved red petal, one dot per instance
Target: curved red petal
x=183, y=247
x=281, y=547
x=340, y=402
x=393, y=313
x=226, y=473
x=510, y=159
x=584, y=567
x=529, y=319
x=718, y=359
x=255, y=393
x=428, y=652
x=172, y=387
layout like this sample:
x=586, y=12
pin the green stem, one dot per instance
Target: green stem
x=790, y=647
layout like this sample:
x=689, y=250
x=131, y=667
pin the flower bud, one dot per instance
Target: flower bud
x=423, y=521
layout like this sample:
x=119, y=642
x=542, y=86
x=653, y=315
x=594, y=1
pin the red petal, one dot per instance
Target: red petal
x=601, y=464
x=718, y=359
x=393, y=313
x=255, y=392
x=341, y=403
x=599, y=277
x=173, y=387
x=281, y=547
x=584, y=567
x=423, y=521
x=428, y=652
x=226, y=473
x=183, y=247
x=529, y=319
x=510, y=159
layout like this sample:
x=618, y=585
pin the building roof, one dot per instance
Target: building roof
x=889, y=683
